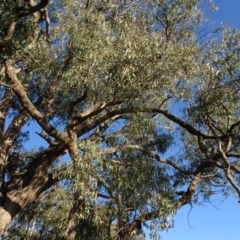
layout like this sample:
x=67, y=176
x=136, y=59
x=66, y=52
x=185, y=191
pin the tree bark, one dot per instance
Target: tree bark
x=5, y=219
x=27, y=184
x=7, y=212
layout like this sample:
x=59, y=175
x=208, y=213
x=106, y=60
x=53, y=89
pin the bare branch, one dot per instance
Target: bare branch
x=78, y=100
x=208, y=176
x=197, y=178
x=45, y=13
x=35, y=27
x=210, y=122
x=219, y=165
x=236, y=155
x=46, y=138
x=5, y=85
x=96, y=134
x=227, y=169
x=103, y=196
x=181, y=123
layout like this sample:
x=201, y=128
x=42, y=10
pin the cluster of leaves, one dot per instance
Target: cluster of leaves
x=116, y=74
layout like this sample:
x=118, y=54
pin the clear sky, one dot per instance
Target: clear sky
x=221, y=221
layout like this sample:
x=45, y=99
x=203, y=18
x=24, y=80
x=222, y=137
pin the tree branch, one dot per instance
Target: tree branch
x=5, y=106
x=12, y=133
x=91, y=123
x=181, y=123
x=100, y=180
x=46, y=138
x=20, y=14
x=32, y=180
x=158, y=158
x=236, y=155
x=233, y=126
x=219, y=165
x=28, y=105
x=77, y=101
x=187, y=196
x=94, y=110
x=45, y=13
x=227, y=169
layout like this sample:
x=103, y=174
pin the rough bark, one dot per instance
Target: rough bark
x=27, y=184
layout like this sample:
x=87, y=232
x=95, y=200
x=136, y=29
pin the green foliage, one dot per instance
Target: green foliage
x=140, y=61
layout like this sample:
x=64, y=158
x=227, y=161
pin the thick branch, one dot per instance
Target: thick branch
x=50, y=182
x=54, y=178
x=14, y=129
x=187, y=196
x=28, y=105
x=94, y=110
x=5, y=106
x=30, y=181
x=91, y=123
x=20, y=14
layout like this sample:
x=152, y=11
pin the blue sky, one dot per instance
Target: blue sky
x=228, y=11
x=221, y=221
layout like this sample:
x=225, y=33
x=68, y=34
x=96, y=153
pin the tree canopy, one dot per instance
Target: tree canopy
x=138, y=105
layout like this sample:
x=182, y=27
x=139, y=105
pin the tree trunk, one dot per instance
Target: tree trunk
x=7, y=212
x=5, y=219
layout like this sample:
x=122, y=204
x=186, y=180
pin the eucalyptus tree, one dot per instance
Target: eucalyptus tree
x=138, y=104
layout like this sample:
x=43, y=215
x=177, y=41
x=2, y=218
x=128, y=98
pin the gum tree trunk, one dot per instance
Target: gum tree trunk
x=5, y=219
